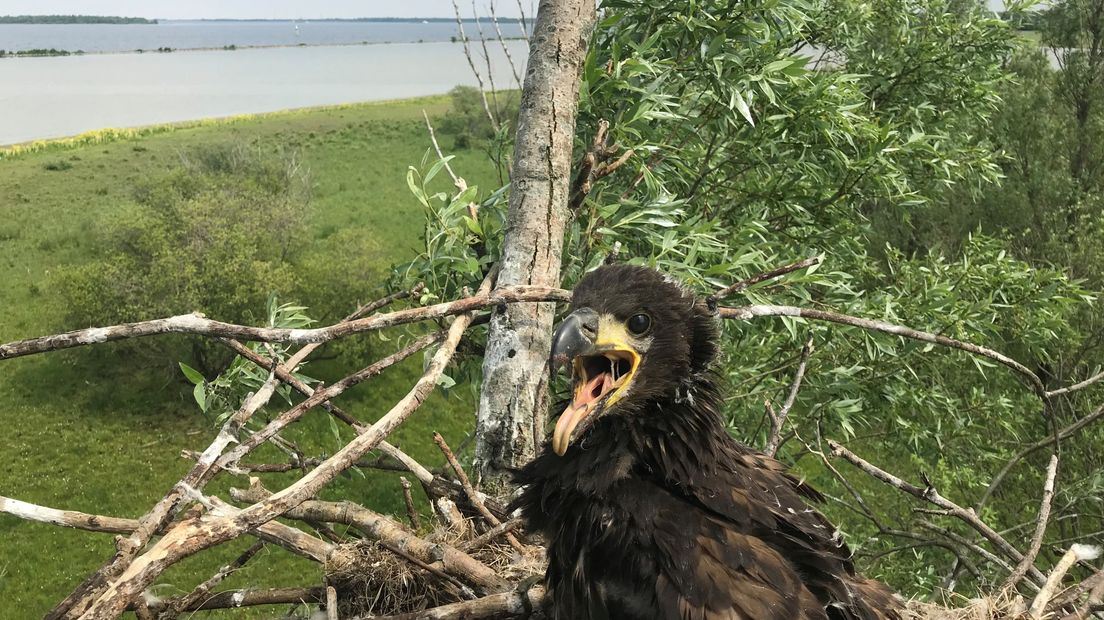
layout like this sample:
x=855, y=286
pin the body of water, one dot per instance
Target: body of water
x=62, y=96
x=218, y=34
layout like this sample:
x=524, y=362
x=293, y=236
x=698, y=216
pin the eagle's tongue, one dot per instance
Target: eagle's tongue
x=579, y=408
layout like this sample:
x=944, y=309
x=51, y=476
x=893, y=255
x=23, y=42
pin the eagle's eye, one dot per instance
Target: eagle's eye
x=639, y=323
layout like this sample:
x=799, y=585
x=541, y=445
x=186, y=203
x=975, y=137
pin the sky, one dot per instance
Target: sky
x=258, y=9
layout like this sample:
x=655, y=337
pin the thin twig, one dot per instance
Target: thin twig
x=379, y=527
x=750, y=312
x=175, y=606
x=521, y=21
x=232, y=599
x=505, y=48
x=985, y=554
x=471, y=63
x=437, y=147
x=503, y=605
x=1076, y=386
x=408, y=499
x=778, y=420
x=473, y=497
x=1062, y=435
x=931, y=495
x=491, y=534
x=1040, y=527
x=465, y=591
x=487, y=61
x=732, y=289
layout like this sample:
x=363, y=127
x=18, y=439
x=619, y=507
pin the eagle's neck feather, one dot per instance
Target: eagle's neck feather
x=670, y=439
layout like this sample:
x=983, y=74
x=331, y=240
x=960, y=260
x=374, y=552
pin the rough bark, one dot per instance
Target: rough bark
x=515, y=392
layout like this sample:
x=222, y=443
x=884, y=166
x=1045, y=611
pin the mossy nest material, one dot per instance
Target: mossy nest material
x=371, y=580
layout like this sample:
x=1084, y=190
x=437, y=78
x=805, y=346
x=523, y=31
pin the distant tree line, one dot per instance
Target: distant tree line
x=73, y=19
x=39, y=52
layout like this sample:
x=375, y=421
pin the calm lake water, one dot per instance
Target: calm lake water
x=207, y=34
x=62, y=96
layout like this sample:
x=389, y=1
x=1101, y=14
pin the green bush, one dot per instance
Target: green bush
x=467, y=121
x=215, y=235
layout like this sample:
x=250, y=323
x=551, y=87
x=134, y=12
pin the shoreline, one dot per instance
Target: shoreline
x=226, y=48
x=107, y=135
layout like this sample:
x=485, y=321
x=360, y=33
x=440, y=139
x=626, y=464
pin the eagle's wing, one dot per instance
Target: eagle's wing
x=710, y=571
x=755, y=499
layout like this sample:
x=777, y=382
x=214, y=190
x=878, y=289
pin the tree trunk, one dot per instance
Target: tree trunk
x=514, y=396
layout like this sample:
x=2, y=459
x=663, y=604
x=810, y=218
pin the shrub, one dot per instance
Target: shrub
x=214, y=235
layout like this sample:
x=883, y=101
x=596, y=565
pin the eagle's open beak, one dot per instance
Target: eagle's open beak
x=603, y=362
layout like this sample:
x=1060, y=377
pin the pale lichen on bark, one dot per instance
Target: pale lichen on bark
x=514, y=396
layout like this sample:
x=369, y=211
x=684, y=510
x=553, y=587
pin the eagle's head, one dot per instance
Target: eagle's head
x=634, y=336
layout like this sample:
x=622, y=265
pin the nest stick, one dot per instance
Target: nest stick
x=408, y=499
x=1040, y=526
x=473, y=497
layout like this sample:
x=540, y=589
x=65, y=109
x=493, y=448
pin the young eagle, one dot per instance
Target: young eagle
x=650, y=510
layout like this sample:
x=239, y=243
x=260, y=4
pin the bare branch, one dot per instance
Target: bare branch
x=195, y=535
x=163, y=512
x=505, y=48
x=198, y=324
x=1092, y=583
x=408, y=499
x=331, y=603
x=1062, y=435
x=506, y=604
x=473, y=497
x=1075, y=554
x=487, y=61
x=283, y=374
x=1077, y=386
x=382, y=528
x=232, y=599
x=174, y=607
x=968, y=544
x=931, y=495
x=749, y=312
x=321, y=396
x=778, y=420
x=67, y=518
x=471, y=63
x=763, y=277
x=490, y=535
x=1040, y=527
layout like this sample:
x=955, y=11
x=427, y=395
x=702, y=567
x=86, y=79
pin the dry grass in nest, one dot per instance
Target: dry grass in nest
x=370, y=580
x=998, y=607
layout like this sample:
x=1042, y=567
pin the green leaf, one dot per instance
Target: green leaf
x=445, y=382
x=742, y=105
x=191, y=374
x=436, y=168
x=200, y=395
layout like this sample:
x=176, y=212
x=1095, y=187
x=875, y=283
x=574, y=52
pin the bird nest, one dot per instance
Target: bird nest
x=997, y=607
x=372, y=579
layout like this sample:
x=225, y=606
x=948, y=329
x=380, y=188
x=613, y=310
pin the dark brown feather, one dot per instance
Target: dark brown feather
x=657, y=514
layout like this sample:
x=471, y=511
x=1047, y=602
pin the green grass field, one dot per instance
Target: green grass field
x=83, y=432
